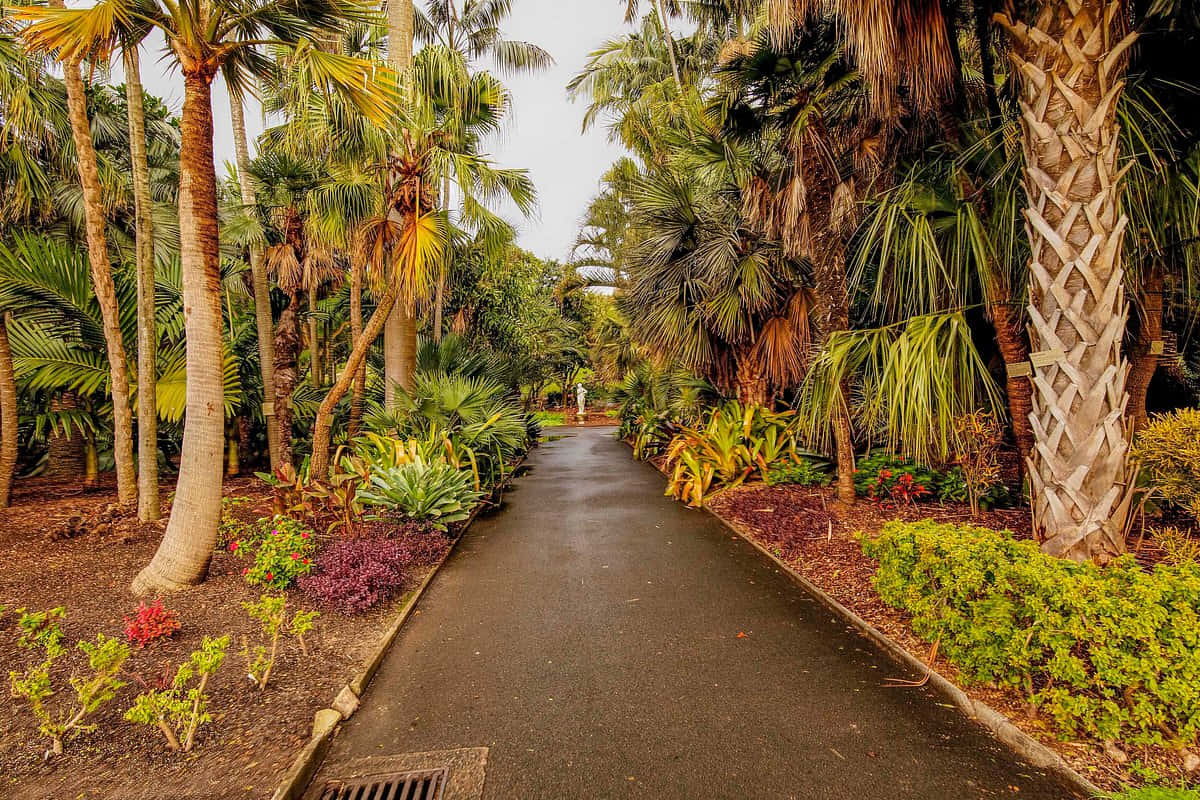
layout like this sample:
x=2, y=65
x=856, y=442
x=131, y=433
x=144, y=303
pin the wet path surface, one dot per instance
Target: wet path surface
x=588, y=635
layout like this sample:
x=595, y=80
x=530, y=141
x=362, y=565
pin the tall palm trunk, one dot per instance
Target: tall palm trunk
x=400, y=330
x=1014, y=350
x=102, y=281
x=832, y=314
x=314, y=340
x=439, y=303
x=8, y=415
x=323, y=425
x=358, y=387
x=669, y=40
x=750, y=383
x=147, y=344
x=1071, y=67
x=183, y=556
x=287, y=354
x=264, y=320
x=1143, y=361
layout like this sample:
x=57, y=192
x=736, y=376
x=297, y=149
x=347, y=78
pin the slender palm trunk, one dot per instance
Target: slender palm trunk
x=1143, y=361
x=1014, y=350
x=358, y=387
x=102, y=281
x=314, y=340
x=263, y=318
x=287, y=373
x=323, y=425
x=183, y=556
x=400, y=331
x=832, y=315
x=8, y=415
x=669, y=40
x=147, y=344
x=439, y=304
x=1071, y=67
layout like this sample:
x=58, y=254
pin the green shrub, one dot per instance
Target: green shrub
x=426, y=491
x=233, y=527
x=178, y=710
x=1110, y=653
x=1168, y=451
x=798, y=473
x=61, y=719
x=283, y=550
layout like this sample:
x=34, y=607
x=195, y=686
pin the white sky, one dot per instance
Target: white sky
x=543, y=135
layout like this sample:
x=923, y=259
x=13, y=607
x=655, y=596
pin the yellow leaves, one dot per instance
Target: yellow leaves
x=418, y=253
x=74, y=34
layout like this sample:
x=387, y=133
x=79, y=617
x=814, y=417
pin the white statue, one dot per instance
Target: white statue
x=580, y=398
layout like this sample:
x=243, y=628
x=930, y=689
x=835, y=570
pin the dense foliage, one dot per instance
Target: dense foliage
x=1110, y=653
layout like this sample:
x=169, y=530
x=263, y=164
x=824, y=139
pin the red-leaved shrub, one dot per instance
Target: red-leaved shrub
x=151, y=622
x=353, y=575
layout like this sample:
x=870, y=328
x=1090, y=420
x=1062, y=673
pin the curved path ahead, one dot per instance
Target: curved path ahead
x=588, y=635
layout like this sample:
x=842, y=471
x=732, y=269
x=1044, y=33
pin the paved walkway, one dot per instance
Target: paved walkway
x=588, y=635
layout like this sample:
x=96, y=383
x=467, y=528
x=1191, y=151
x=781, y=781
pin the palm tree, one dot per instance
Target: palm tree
x=264, y=319
x=1069, y=59
x=432, y=143
x=204, y=36
x=400, y=329
x=474, y=33
x=663, y=23
x=101, y=267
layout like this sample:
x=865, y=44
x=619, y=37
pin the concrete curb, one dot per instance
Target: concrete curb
x=325, y=724
x=1021, y=743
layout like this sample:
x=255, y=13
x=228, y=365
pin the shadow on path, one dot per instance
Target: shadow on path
x=588, y=635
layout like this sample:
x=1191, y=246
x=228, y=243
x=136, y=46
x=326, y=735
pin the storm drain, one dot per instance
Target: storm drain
x=424, y=785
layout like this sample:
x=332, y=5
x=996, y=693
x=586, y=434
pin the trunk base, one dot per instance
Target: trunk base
x=149, y=583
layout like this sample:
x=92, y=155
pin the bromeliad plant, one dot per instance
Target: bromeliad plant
x=180, y=709
x=734, y=443
x=42, y=631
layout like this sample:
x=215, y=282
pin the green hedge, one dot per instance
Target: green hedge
x=1110, y=653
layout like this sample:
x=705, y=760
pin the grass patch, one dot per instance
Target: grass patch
x=550, y=419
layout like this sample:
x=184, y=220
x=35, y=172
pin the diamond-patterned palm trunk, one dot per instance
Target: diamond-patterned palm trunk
x=1070, y=64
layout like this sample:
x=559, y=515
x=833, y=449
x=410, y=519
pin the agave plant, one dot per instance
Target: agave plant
x=426, y=491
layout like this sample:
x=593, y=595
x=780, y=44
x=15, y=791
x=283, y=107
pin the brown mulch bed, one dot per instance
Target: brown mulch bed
x=810, y=532
x=254, y=735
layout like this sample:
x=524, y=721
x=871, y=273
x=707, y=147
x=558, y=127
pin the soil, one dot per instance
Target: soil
x=812, y=533
x=64, y=546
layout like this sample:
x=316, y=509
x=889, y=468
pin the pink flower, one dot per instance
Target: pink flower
x=246, y=571
x=270, y=576
x=306, y=561
x=304, y=536
x=233, y=546
x=295, y=556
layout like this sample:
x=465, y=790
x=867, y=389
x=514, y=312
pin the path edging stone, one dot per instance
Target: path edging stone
x=326, y=721
x=1021, y=743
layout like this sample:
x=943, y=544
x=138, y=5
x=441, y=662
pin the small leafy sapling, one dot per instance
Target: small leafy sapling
x=179, y=711
x=41, y=631
x=272, y=613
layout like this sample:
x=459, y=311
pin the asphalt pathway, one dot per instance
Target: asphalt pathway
x=590, y=634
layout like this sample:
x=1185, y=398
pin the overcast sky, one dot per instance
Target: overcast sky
x=543, y=135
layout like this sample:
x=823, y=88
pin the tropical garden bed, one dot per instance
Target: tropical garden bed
x=213, y=688
x=253, y=735
x=1098, y=662
x=807, y=529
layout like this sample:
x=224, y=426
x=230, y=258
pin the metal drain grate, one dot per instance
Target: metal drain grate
x=424, y=785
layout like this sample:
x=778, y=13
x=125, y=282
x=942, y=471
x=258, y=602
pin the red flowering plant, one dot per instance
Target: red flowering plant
x=151, y=622
x=283, y=554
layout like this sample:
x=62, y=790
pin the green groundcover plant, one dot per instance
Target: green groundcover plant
x=1110, y=653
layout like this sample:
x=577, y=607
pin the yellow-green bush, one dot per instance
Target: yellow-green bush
x=1109, y=653
x=1168, y=452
